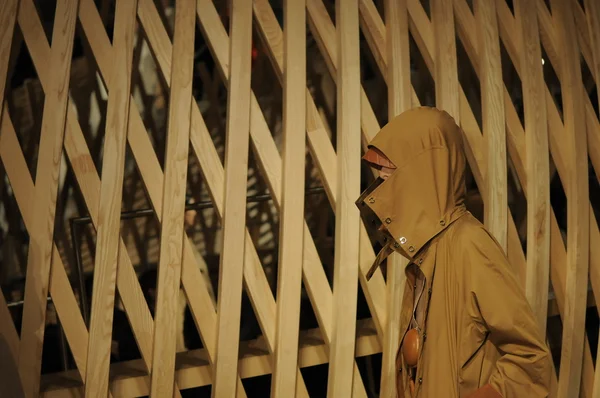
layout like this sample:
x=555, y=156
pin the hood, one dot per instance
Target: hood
x=426, y=191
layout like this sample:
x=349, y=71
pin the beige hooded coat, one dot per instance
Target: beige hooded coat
x=479, y=337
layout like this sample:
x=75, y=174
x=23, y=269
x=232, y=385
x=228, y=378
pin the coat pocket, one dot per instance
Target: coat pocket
x=472, y=360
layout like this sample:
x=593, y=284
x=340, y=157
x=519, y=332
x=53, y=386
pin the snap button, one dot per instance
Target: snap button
x=411, y=249
x=420, y=380
x=388, y=220
x=442, y=223
x=396, y=245
x=420, y=261
x=371, y=200
x=403, y=240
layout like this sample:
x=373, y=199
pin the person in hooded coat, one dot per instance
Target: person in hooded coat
x=466, y=327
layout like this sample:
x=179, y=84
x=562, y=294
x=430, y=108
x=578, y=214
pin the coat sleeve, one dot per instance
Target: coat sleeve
x=524, y=367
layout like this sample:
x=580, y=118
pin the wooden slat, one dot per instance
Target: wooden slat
x=174, y=190
x=41, y=234
x=60, y=289
x=496, y=189
x=315, y=282
x=292, y=209
x=347, y=221
x=558, y=148
x=592, y=13
x=538, y=167
x=592, y=9
x=236, y=171
x=399, y=100
x=9, y=351
x=446, y=69
x=270, y=162
x=577, y=201
x=8, y=16
x=109, y=211
x=194, y=371
x=89, y=183
x=87, y=176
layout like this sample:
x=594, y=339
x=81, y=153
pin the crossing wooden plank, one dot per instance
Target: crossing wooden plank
x=236, y=173
x=41, y=234
x=8, y=16
x=538, y=167
x=60, y=289
x=399, y=100
x=9, y=351
x=592, y=14
x=577, y=192
x=291, y=232
x=496, y=189
x=174, y=191
x=347, y=221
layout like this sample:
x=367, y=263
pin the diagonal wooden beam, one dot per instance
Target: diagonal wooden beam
x=60, y=289
x=109, y=211
x=172, y=232
x=291, y=234
x=139, y=141
x=558, y=148
x=8, y=16
x=89, y=183
x=319, y=141
x=39, y=256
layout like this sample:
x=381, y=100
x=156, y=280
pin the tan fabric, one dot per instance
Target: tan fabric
x=478, y=332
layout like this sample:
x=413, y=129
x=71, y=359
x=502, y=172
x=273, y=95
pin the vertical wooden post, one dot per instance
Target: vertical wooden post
x=494, y=135
x=577, y=201
x=399, y=100
x=345, y=279
x=291, y=231
x=172, y=231
x=46, y=190
x=446, y=69
x=109, y=209
x=538, y=163
x=234, y=216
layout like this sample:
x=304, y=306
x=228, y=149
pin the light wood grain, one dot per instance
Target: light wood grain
x=446, y=69
x=347, y=221
x=291, y=232
x=325, y=158
x=577, y=197
x=60, y=289
x=41, y=234
x=197, y=373
x=490, y=74
x=236, y=169
x=592, y=13
x=109, y=210
x=399, y=100
x=538, y=168
x=8, y=16
x=271, y=166
x=174, y=190
x=89, y=183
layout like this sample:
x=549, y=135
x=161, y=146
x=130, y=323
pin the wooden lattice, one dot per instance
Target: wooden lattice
x=153, y=143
